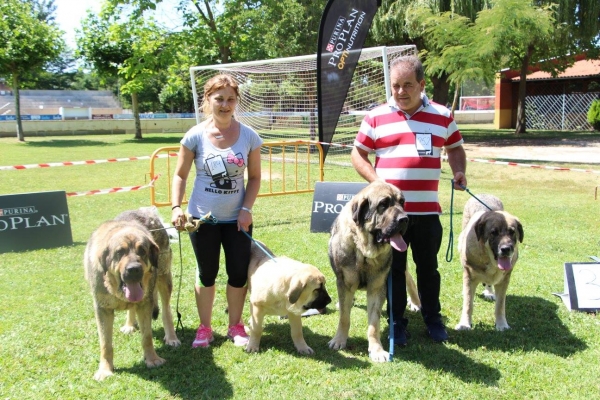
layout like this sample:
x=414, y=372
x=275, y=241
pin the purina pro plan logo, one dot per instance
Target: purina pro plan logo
x=30, y=221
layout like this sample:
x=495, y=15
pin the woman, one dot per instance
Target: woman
x=222, y=148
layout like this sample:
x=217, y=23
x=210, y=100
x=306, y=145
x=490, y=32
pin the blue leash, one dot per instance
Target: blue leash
x=213, y=220
x=259, y=246
x=391, y=333
x=450, y=249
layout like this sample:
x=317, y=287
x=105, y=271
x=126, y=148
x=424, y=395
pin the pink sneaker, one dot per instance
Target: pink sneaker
x=204, y=336
x=237, y=333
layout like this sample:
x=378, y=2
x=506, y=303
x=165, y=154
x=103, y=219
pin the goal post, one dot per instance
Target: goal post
x=279, y=96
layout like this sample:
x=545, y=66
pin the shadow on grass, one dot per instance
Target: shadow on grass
x=438, y=357
x=278, y=336
x=66, y=143
x=186, y=374
x=421, y=351
x=535, y=326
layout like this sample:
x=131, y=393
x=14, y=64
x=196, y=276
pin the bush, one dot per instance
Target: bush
x=593, y=115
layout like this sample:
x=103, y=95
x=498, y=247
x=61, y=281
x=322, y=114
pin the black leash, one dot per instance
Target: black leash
x=209, y=219
x=450, y=249
x=179, y=323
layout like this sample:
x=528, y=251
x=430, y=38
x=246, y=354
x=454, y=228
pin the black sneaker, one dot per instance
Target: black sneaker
x=437, y=331
x=401, y=335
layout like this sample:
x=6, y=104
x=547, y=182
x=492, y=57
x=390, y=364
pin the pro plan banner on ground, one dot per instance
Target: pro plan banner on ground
x=30, y=221
x=344, y=28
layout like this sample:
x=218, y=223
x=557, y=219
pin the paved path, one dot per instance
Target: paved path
x=588, y=153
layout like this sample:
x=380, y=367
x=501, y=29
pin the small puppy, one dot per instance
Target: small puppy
x=488, y=248
x=282, y=286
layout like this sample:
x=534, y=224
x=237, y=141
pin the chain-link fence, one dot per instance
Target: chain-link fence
x=564, y=112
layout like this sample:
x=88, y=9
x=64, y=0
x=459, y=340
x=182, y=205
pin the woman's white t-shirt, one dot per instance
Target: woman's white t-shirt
x=219, y=184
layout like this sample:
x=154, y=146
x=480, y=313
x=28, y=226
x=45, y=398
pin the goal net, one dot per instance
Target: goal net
x=279, y=96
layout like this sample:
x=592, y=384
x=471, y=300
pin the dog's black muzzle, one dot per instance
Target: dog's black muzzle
x=321, y=301
x=133, y=272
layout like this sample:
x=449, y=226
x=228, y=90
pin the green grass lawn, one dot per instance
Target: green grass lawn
x=48, y=338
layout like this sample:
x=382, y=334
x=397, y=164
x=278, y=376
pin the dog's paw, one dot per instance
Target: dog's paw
x=173, y=342
x=489, y=296
x=413, y=307
x=337, y=343
x=102, y=374
x=155, y=362
x=502, y=326
x=462, y=327
x=379, y=356
x=251, y=348
x=305, y=350
x=128, y=329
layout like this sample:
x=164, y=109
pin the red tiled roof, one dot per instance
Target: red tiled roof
x=581, y=69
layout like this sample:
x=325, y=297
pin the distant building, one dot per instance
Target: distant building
x=559, y=103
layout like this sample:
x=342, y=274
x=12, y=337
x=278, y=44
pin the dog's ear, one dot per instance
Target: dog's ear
x=105, y=259
x=480, y=227
x=360, y=210
x=154, y=253
x=520, y=229
x=295, y=290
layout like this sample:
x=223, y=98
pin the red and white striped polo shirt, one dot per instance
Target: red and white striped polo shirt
x=392, y=135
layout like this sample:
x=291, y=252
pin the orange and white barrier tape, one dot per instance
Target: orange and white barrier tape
x=514, y=164
x=87, y=162
x=113, y=190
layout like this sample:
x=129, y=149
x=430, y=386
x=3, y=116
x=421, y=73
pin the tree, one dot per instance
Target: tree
x=518, y=34
x=449, y=50
x=58, y=74
x=133, y=48
x=43, y=9
x=231, y=31
x=28, y=43
x=401, y=22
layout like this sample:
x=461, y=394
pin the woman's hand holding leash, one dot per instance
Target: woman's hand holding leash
x=178, y=218
x=244, y=219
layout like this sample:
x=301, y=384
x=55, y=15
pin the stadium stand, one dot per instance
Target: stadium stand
x=38, y=102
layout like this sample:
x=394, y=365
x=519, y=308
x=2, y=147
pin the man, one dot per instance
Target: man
x=407, y=135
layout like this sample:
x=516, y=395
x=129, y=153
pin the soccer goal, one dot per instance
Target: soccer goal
x=279, y=96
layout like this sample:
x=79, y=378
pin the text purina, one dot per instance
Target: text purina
x=14, y=223
x=4, y=212
x=340, y=53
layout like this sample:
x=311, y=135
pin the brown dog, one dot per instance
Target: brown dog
x=122, y=262
x=149, y=218
x=488, y=247
x=360, y=253
x=282, y=286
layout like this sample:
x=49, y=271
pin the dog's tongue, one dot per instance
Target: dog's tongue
x=134, y=292
x=398, y=242
x=504, y=263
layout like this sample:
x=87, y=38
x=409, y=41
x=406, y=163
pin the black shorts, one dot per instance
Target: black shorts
x=207, y=242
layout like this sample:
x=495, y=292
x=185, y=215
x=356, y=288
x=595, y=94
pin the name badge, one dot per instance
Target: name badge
x=423, y=144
